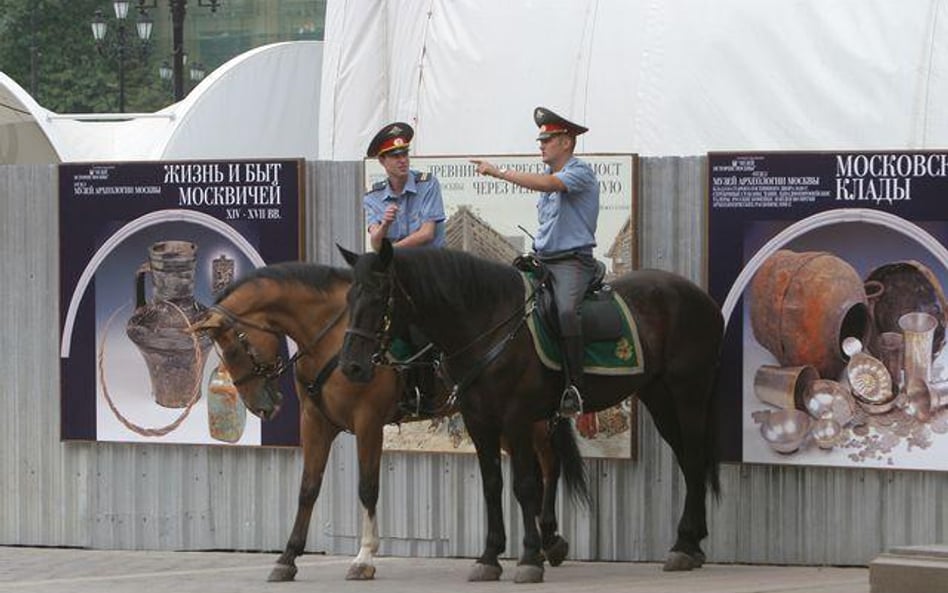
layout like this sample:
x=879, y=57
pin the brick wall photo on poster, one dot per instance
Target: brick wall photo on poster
x=495, y=220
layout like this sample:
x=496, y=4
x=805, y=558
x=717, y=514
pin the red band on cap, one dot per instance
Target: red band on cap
x=552, y=128
x=392, y=144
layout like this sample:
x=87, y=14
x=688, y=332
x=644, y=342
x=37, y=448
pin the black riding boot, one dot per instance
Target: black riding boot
x=571, y=403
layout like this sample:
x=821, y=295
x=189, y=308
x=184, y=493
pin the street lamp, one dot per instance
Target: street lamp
x=118, y=46
x=164, y=71
x=178, y=10
x=197, y=71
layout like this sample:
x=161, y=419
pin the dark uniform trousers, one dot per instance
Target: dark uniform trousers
x=571, y=275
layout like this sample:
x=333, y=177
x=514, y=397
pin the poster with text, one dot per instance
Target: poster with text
x=145, y=248
x=831, y=268
x=497, y=220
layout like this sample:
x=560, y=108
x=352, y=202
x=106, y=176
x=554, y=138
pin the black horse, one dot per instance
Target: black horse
x=474, y=310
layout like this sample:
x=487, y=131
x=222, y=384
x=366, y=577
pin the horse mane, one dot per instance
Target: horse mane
x=460, y=278
x=316, y=276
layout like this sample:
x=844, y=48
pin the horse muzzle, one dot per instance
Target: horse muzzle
x=357, y=372
x=268, y=405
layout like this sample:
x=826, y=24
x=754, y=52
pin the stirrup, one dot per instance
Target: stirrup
x=571, y=403
x=418, y=406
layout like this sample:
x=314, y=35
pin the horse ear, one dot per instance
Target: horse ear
x=386, y=252
x=349, y=256
x=210, y=320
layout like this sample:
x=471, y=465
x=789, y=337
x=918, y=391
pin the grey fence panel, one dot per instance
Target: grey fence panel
x=169, y=497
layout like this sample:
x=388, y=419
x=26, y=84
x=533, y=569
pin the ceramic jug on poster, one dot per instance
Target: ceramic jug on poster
x=174, y=357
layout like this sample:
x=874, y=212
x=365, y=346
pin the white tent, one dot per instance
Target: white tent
x=263, y=103
x=656, y=77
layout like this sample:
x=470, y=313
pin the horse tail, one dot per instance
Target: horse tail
x=712, y=477
x=712, y=463
x=563, y=442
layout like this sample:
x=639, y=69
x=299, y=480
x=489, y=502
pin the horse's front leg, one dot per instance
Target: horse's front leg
x=317, y=435
x=527, y=488
x=486, y=439
x=369, y=446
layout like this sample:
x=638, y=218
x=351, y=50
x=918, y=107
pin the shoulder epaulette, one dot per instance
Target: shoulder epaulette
x=422, y=176
x=377, y=186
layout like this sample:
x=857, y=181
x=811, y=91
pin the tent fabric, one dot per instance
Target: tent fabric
x=24, y=135
x=654, y=77
x=262, y=104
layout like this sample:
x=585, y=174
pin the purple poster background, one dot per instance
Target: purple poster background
x=869, y=209
x=110, y=214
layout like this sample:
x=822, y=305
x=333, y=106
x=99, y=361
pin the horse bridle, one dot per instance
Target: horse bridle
x=382, y=337
x=273, y=370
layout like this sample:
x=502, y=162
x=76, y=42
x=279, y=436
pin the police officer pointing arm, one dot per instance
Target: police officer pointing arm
x=407, y=206
x=568, y=212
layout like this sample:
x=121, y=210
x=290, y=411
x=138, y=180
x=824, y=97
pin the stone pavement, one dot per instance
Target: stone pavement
x=57, y=570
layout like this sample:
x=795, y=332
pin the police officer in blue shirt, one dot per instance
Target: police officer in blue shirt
x=568, y=211
x=406, y=207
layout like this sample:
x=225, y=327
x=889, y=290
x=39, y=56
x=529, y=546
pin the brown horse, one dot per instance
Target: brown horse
x=307, y=303
x=475, y=310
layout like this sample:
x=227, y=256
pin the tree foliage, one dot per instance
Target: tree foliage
x=71, y=76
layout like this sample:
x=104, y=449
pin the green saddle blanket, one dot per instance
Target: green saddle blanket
x=621, y=356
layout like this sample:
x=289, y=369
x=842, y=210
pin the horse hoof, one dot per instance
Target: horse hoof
x=679, y=561
x=699, y=558
x=360, y=572
x=557, y=552
x=529, y=573
x=484, y=572
x=281, y=573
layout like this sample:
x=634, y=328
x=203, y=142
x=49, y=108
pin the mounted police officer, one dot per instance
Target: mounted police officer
x=406, y=207
x=568, y=211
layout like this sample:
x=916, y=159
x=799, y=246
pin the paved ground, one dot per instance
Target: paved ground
x=40, y=570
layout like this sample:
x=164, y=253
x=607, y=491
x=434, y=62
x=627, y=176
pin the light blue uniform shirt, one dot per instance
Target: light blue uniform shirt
x=420, y=202
x=568, y=219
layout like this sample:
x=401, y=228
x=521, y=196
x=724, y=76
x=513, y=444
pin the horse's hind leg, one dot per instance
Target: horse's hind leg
x=555, y=548
x=486, y=439
x=317, y=435
x=687, y=397
x=369, y=445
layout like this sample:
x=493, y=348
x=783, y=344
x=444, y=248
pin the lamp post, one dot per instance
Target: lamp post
x=178, y=10
x=119, y=44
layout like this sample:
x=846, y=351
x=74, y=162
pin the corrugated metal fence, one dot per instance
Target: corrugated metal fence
x=173, y=497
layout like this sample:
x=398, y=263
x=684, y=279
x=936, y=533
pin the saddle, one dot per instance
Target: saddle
x=610, y=336
x=600, y=318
